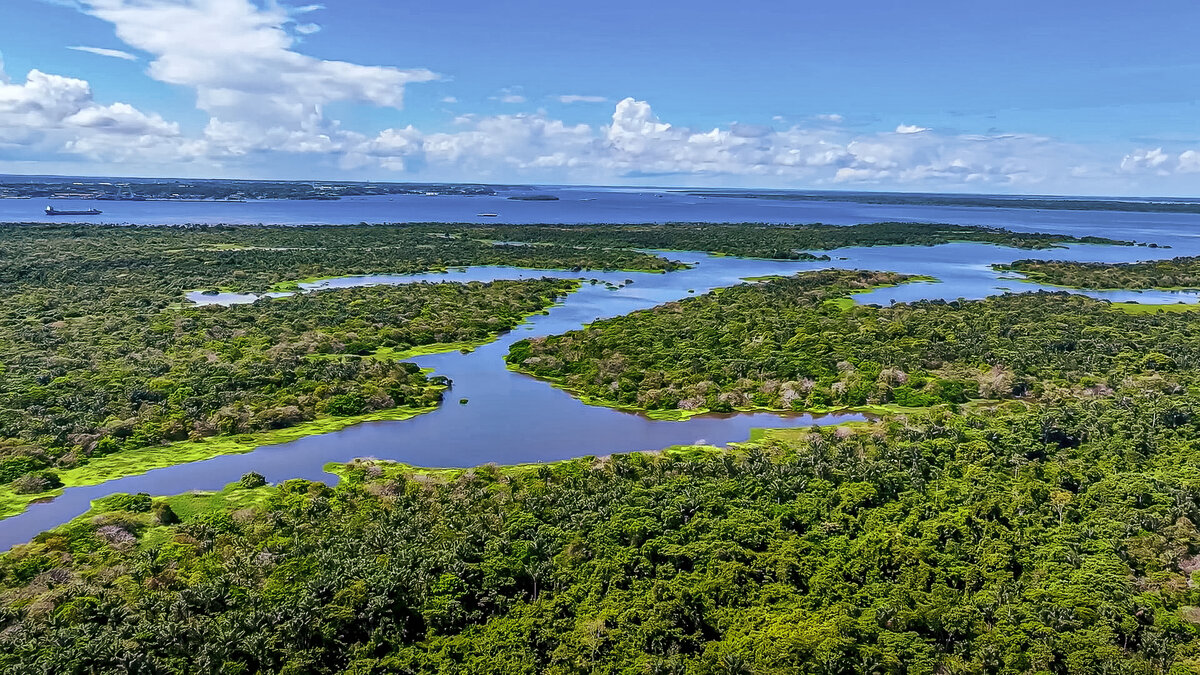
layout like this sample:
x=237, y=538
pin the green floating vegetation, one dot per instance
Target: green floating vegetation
x=294, y=285
x=100, y=387
x=132, y=462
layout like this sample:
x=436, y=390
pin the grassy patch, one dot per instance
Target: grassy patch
x=294, y=285
x=1151, y=308
x=392, y=354
x=191, y=504
x=187, y=506
x=841, y=303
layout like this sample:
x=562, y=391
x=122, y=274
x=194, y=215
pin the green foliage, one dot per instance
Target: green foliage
x=139, y=503
x=164, y=514
x=35, y=482
x=1055, y=535
x=90, y=377
x=1054, y=538
x=1166, y=274
x=252, y=480
x=756, y=240
x=784, y=345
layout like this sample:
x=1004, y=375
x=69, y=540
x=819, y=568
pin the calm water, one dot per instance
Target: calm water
x=512, y=418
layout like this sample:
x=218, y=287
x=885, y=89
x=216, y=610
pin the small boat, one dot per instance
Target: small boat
x=486, y=215
x=51, y=211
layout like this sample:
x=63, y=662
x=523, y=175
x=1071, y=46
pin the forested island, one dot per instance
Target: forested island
x=84, y=386
x=1022, y=499
x=794, y=344
x=757, y=240
x=1176, y=273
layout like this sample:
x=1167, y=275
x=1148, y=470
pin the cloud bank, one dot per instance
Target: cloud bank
x=265, y=103
x=59, y=113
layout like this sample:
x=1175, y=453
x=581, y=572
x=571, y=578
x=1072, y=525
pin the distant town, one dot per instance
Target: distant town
x=133, y=189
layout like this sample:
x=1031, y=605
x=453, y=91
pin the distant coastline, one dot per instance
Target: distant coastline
x=238, y=191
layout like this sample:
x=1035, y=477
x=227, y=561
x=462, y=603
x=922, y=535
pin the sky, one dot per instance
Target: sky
x=1062, y=97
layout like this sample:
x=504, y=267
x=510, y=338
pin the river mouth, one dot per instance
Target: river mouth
x=511, y=418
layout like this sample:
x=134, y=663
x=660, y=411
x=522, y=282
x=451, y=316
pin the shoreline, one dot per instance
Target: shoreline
x=143, y=460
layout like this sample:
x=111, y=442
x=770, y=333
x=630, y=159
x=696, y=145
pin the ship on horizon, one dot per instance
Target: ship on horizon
x=51, y=211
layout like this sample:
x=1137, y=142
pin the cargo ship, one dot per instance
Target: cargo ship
x=51, y=211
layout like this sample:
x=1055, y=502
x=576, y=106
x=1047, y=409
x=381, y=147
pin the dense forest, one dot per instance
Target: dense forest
x=82, y=385
x=99, y=355
x=789, y=343
x=1056, y=538
x=1176, y=273
x=144, y=268
x=755, y=240
x=149, y=267
x=1047, y=529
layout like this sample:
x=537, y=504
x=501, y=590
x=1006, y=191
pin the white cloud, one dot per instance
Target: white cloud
x=449, y=99
x=264, y=99
x=1145, y=160
x=102, y=51
x=577, y=98
x=239, y=59
x=1189, y=162
x=58, y=114
x=637, y=143
x=831, y=117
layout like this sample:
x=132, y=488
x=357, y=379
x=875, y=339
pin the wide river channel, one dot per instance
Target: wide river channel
x=511, y=418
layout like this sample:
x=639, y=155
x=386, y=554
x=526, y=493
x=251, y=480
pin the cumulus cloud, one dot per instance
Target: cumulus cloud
x=1189, y=161
x=516, y=142
x=239, y=59
x=102, y=51
x=58, y=113
x=263, y=98
x=1145, y=160
x=637, y=143
x=577, y=98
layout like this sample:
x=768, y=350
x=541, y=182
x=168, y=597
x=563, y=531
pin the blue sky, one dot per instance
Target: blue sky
x=1028, y=97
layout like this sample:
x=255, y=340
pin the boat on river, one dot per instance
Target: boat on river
x=51, y=211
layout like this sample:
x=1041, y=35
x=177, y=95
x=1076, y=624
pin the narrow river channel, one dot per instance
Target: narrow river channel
x=511, y=418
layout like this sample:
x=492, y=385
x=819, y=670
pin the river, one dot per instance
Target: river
x=512, y=418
